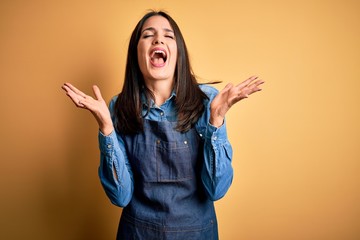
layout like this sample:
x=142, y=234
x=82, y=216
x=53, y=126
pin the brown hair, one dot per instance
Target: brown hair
x=189, y=97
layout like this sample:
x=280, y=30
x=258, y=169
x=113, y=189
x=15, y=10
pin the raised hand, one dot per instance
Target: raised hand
x=97, y=106
x=229, y=96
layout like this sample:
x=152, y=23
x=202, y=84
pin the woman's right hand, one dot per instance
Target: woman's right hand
x=96, y=106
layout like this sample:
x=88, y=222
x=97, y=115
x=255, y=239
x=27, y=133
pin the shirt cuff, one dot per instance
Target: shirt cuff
x=215, y=133
x=106, y=143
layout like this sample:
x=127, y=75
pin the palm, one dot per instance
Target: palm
x=97, y=106
x=230, y=95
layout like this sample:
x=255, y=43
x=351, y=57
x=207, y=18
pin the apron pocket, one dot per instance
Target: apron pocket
x=164, y=161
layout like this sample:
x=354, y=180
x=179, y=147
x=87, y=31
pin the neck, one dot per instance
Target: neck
x=161, y=90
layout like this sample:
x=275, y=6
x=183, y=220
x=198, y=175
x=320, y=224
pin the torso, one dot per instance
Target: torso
x=168, y=201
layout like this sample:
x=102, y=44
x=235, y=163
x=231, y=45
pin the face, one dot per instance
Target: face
x=157, y=50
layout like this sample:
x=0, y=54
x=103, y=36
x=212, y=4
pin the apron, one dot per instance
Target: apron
x=169, y=201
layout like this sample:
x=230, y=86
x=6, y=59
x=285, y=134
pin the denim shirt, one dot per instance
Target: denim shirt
x=115, y=170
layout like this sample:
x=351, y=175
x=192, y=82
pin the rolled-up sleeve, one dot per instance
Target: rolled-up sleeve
x=217, y=171
x=115, y=171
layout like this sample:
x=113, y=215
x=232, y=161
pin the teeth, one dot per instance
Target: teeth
x=160, y=52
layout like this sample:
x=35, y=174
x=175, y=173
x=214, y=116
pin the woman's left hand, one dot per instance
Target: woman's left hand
x=229, y=96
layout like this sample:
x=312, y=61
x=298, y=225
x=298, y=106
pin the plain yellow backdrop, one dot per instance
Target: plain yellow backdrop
x=296, y=143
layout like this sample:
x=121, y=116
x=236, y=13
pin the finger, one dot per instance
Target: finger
x=227, y=87
x=76, y=101
x=247, y=91
x=256, y=84
x=246, y=82
x=80, y=104
x=87, y=101
x=75, y=98
x=253, y=89
x=74, y=89
x=97, y=92
x=69, y=92
x=66, y=88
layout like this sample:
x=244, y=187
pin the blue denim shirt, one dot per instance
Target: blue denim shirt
x=115, y=170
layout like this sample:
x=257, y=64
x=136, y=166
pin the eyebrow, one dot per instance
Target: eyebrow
x=153, y=29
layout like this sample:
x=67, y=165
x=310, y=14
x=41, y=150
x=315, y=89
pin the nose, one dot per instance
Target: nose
x=158, y=40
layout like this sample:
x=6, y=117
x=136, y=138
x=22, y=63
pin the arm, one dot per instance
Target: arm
x=217, y=172
x=114, y=170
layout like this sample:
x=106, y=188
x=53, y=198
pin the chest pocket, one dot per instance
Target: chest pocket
x=163, y=161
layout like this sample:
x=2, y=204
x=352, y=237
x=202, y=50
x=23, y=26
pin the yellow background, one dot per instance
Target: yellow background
x=296, y=144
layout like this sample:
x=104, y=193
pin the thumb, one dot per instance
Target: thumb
x=227, y=87
x=97, y=92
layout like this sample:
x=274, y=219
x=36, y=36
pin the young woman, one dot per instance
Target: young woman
x=165, y=155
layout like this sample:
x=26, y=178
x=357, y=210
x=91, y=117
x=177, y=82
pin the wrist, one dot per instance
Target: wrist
x=216, y=121
x=106, y=127
x=106, y=130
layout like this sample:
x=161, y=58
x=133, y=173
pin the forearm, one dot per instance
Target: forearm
x=217, y=171
x=114, y=170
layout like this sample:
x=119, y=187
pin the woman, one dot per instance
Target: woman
x=165, y=156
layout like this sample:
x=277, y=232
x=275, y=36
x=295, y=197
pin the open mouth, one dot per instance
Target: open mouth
x=158, y=57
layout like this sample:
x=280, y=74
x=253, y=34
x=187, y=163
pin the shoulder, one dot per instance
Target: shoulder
x=210, y=91
x=112, y=103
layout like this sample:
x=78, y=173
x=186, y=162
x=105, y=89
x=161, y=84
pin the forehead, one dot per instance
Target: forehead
x=157, y=22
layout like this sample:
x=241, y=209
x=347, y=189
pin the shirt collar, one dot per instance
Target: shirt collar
x=152, y=103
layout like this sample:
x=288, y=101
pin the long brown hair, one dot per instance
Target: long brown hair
x=189, y=97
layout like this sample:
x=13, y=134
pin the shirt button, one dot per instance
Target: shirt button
x=200, y=135
x=158, y=141
x=215, y=138
x=109, y=146
x=185, y=142
x=162, y=113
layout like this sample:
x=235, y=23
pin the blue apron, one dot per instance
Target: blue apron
x=169, y=201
